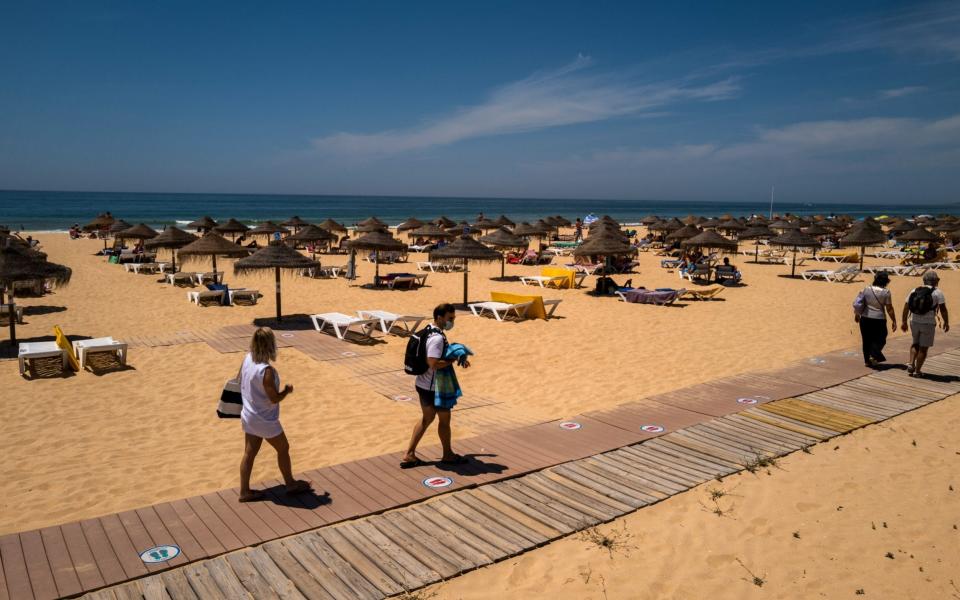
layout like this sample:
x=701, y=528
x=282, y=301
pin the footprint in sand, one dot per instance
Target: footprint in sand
x=807, y=506
x=719, y=560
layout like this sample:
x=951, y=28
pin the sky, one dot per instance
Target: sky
x=822, y=101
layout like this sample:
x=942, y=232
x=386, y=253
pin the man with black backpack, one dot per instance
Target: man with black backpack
x=922, y=306
x=425, y=350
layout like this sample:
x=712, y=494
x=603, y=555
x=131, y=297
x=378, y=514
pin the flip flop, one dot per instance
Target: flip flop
x=459, y=460
x=255, y=496
x=410, y=464
x=298, y=487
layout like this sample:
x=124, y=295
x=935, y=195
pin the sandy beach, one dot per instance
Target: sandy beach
x=91, y=444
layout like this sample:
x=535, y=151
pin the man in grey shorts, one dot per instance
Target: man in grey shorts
x=923, y=319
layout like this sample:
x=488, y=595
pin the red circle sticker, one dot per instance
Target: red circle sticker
x=438, y=482
x=402, y=398
x=747, y=400
x=348, y=353
x=286, y=335
x=570, y=425
x=651, y=428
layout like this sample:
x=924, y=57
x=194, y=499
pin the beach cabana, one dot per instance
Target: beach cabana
x=203, y=224
x=18, y=264
x=649, y=220
x=863, y=236
x=277, y=256
x=171, y=238
x=232, y=227
x=312, y=233
x=795, y=239
x=502, y=239
x=378, y=241
x=212, y=245
x=730, y=226
x=465, y=249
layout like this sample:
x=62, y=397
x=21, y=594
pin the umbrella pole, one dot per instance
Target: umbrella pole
x=756, y=255
x=793, y=267
x=376, y=268
x=863, y=250
x=173, y=253
x=503, y=263
x=464, y=281
x=214, y=268
x=277, y=279
x=13, y=323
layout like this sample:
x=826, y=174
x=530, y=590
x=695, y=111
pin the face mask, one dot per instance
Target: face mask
x=447, y=326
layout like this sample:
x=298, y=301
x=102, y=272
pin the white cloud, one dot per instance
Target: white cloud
x=902, y=91
x=565, y=96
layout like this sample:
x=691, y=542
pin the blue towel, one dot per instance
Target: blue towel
x=447, y=388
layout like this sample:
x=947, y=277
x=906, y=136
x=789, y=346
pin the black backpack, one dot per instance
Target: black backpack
x=415, y=359
x=921, y=300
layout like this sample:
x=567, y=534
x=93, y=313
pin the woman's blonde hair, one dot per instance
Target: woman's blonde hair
x=263, y=346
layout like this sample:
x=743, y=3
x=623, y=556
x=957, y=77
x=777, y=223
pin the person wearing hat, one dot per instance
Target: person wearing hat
x=873, y=321
x=922, y=306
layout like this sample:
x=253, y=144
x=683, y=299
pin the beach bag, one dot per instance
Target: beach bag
x=415, y=358
x=920, y=301
x=230, y=400
x=859, y=304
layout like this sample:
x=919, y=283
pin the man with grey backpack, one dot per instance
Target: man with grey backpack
x=922, y=306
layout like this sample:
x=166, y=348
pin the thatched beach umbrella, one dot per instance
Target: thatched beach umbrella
x=710, y=240
x=232, y=227
x=312, y=233
x=466, y=249
x=431, y=232
x=371, y=221
x=503, y=221
x=19, y=263
x=685, y=232
x=561, y=222
x=863, y=236
x=331, y=226
x=527, y=230
x=138, y=232
x=649, y=220
x=604, y=244
x=486, y=224
x=204, y=223
x=269, y=229
x=443, y=222
x=295, y=222
x=101, y=223
x=501, y=238
x=902, y=227
x=730, y=226
x=378, y=241
x=119, y=225
x=172, y=238
x=212, y=245
x=794, y=238
x=757, y=233
x=411, y=223
x=370, y=227
x=918, y=234
x=276, y=256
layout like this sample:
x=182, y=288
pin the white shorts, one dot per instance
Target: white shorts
x=262, y=428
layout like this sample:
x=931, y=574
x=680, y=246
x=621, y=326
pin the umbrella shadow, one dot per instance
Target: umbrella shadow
x=506, y=279
x=297, y=322
x=384, y=288
x=42, y=310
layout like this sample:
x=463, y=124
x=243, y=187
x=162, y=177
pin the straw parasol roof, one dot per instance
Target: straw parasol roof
x=903, y=227
x=815, y=230
x=503, y=221
x=331, y=225
x=172, y=238
x=669, y=225
x=757, y=232
x=795, y=238
x=138, y=232
x=312, y=233
x=204, y=223
x=946, y=227
x=267, y=228
x=465, y=248
x=411, y=223
x=731, y=225
x=444, y=222
x=918, y=234
x=275, y=256
x=561, y=222
x=102, y=221
x=231, y=226
x=685, y=232
x=370, y=227
x=486, y=224
x=649, y=220
x=546, y=226
x=782, y=225
x=604, y=244
x=294, y=222
x=712, y=223
x=526, y=229
x=709, y=239
x=377, y=240
x=429, y=230
x=19, y=263
x=212, y=245
x=502, y=238
x=863, y=235
x=119, y=225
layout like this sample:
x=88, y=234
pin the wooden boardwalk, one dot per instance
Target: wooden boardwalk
x=524, y=487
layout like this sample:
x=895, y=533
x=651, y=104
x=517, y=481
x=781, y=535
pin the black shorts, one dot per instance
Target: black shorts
x=427, y=398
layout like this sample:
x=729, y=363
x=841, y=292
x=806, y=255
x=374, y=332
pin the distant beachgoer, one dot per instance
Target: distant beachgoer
x=480, y=217
x=436, y=343
x=260, y=415
x=922, y=306
x=578, y=230
x=873, y=323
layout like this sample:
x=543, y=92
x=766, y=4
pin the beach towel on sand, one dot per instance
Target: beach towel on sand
x=445, y=381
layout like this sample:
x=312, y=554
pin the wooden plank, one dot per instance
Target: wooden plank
x=530, y=529
x=438, y=520
x=41, y=576
x=207, y=528
x=717, y=466
x=548, y=488
x=312, y=564
x=361, y=491
x=294, y=571
x=247, y=534
x=563, y=485
x=201, y=581
x=358, y=586
x=587, y=480
x=81, y=555
x=370, y=571
x=106, y=555
x=129, y=591
x=105, y=594
x=438, y=537
x=138, y=535
x=260, y=519
x=430, y=557
x=789, y=424
x=58, y=557
x=773, y=441
x=178, y=586
x=287, y=508
x=369, y=539
x=502, y=536
x=250, y=577
x=153, y=588
x=542, y=513
x=404, y=530
x=399, y=492
x=228, y=582
x=189, y=548
x=339, y=501
x=625, y=482
x=658, y=486
x=15, y=567
x=671, y=472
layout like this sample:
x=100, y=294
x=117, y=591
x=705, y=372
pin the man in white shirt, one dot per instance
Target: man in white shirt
x=923, y=325
x=436, y=343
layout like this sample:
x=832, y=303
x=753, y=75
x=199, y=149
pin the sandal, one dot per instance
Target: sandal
x=297, y=487
x=410, y=464
x=456, y=460
x=255, y=496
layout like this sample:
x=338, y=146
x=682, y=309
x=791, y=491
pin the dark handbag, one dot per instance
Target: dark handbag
x=230, y=400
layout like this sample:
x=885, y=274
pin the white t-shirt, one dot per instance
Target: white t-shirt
x=875, y=298
x=930, y=318
x=434, y=350
x=259, y=416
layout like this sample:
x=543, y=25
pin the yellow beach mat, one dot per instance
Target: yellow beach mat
x=65, y=344
x=570, y=274
x=536, y=310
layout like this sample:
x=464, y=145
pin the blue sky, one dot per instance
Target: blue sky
x=841, y=102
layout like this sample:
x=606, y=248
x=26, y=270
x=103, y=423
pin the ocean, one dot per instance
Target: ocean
x=57, y=211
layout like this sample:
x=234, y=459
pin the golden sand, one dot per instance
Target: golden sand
x=88, y=444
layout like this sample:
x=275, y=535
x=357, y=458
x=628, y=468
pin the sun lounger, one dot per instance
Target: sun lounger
x=438, y=267
x=891, y=254
x=5, y=313
x=658, y=297
x=104, y=345
x=844, y=275
x=389, y=320
x=206, y=297
x=500, y=310
x=708, y=294
x=589, y=269
x=551, y=306
x=181, y=278
x=247, y=296
x=698, y=272
x=410, y=280
x=29, y=351
x=342, y=324
x=211, y=277
x=544, y=280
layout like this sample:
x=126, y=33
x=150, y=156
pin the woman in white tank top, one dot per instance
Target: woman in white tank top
x=260, y=415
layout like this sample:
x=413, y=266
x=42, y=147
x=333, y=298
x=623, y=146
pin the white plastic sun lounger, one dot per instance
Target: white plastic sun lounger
x=5, y=312
x=84, y=348
x=205, y=297
x=845, y=275
x=411, y=281
x=33, y=350
x=542, y=280
x=181, y=277
x=500, y=310
x=250, y=296
x=551, y=306
x=891, y=269
x=341, y=324
x=389, y=320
